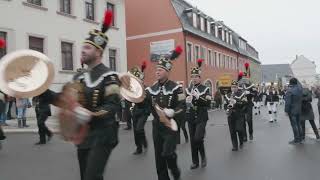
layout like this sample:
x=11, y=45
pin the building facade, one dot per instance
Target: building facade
x=279, y=74
x=58, y=28
x=304, y=69
x=176, y=22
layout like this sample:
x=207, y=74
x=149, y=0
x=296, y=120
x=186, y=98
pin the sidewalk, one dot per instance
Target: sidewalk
x=52, y=124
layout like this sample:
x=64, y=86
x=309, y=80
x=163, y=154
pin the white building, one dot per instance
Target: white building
x=58, y=27
x=304, y=69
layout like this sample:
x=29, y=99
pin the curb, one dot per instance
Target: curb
x=34, y=130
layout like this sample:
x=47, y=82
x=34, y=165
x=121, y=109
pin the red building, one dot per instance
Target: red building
x=156, y=27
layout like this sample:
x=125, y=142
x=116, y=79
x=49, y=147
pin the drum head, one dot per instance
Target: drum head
x=135, y=93
x=25, y=73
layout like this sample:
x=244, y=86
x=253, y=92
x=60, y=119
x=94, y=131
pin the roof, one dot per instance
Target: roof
x=181, y=5
x=302, y=58
x=271, y=71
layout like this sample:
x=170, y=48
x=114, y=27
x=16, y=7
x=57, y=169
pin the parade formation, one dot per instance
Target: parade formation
x=88, y=106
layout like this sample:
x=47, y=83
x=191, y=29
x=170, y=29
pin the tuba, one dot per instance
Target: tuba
x=28, y=73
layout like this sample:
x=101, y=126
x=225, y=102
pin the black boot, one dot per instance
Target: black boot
x=251, y=137
x=138, y=151
x=24, y=122
x=20, y=125
x=194, y=166
x=42, y=140
x=49, y=134
x=203, y=155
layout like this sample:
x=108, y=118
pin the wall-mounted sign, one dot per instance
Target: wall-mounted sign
x=161, y=48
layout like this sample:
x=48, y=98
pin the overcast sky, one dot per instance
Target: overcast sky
x=278, y=29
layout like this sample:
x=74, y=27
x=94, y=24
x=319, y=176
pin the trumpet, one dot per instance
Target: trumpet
x=231, y=101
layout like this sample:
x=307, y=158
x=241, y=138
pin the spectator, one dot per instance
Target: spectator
x=307, y=112
x=5, y=107
x=293, y=109
x=317, y=93
x=218, y=100
x=22, y=105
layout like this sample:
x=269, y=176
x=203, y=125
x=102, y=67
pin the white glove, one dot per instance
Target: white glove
x=196, y=94
x=168, y=112
x=82, y=115
x=189, y=99
x=247, y=92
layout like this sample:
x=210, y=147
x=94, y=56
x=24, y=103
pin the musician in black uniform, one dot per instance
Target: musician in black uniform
x=272, y=100
x=248, y=88
x=140, y=113
x=236, y=115
x=43, y=111
x=101, y=88
x=257, y=98
x=169, y=96
x=198, y=101
x=126, y=114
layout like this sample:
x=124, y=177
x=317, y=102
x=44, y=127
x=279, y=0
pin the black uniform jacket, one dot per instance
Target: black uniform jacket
x=101, y=92
x=199, y=111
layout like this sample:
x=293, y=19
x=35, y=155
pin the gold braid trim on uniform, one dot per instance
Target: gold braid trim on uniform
x=112, y=89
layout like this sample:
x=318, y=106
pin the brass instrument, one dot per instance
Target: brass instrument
x=171, y=123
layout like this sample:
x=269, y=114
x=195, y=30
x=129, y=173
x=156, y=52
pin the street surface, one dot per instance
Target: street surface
x=267, y=157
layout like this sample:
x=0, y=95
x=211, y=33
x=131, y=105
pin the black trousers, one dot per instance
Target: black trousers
x=139, y=132
x=319, y=111
x=235, y=133
x=92, y=162
x=197, y=134
x=248, y=120
x=182, y=126
x=313, y=125
x=2, y=136
x=165, y=155
x=43, y=129
x=126, y=115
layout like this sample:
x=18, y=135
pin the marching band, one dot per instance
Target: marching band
x=89, y=120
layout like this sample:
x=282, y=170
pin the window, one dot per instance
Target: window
x=215, y=56
x=67, y=57
x=3, y=51
x=89, y=9
x=205, y=25
x=196, y=52
x=36, y=43
x=65, y=6
x=213, y=30
x=112, y=59
x=220, y=33
x=224, y=61
x=199, y=21
x=35, y=2
x=219, y=60
x=189, y=52
x=111, y=7
x=210, y=57
x=203, y=54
